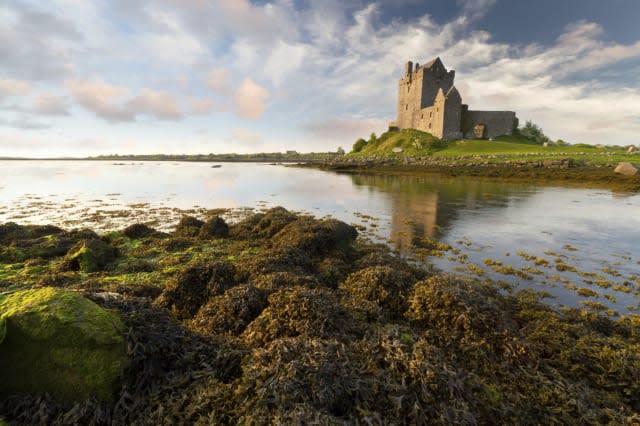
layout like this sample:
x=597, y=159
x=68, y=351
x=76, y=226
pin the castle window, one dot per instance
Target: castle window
x=429, y=125
x=430, y=114
x=406, y=107
x=422, y=116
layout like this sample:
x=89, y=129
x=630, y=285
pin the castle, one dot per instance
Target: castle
x=428, y=101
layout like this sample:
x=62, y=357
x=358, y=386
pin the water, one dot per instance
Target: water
x=594, y=231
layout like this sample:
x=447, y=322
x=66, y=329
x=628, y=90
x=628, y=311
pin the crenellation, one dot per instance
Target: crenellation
x=428, y=100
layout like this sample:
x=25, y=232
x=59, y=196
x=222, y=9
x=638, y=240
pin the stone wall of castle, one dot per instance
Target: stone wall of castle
x=496, y=123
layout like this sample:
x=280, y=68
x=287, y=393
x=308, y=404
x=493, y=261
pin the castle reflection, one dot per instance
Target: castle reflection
x=424, y=206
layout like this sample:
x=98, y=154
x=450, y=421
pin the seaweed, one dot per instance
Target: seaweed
x=292, y=320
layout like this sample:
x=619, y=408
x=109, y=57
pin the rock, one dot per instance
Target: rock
x=315, y=237
x=397, y=150
x=627, y=169
x=214, y=228
x=188, y=226
x=58, y=342
x=138, y=230
x=193, y=287
x=632, y=149
x=89, y=256
x=263, y=225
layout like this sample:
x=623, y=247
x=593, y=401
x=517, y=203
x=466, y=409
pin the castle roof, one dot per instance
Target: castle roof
x=452, y=90
x=431, y=63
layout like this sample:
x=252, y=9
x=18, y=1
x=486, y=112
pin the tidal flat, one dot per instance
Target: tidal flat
x=281, y=317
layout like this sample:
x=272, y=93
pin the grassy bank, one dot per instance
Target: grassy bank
x=509, y=158
x=282, y=318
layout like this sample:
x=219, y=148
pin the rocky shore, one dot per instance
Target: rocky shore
x=287, y=319
x=556, y=169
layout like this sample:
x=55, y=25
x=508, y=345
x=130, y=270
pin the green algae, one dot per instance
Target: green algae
x=89, y=256
x=307, y=325
x=59, y=342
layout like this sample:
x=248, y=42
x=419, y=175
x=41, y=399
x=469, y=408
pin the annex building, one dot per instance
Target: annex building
x=429, y=101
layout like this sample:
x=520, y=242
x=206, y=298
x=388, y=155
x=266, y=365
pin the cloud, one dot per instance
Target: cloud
x=249, y=100
x=284, y=59
x=161, y=105
x=103, y=99
x=475, y=9
x=218, y=80
x=14, y=87
x=45, y=104
x=23, y=123
x=173, y=43
x=204, y=106
x=115, y=104
x=246, y=137
x=35, y=45
x=345, y=130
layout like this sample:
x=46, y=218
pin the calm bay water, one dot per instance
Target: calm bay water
x=594, y=231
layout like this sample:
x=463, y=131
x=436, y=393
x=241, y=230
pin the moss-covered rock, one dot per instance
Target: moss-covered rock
x=58, y=342
x=188, y=226
x=214, y=228
x=138, y=230
x=89, y=256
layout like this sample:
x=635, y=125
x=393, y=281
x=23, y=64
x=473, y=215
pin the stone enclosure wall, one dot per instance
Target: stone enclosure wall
x=496, y=123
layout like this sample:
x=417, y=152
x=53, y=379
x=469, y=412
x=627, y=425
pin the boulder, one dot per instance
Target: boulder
x=632, y=149
x=58, y=342
x=188, y=226
x=397, y=149
x=138, y=230
x=214, y=228
x=89, y=256
x=627, y=169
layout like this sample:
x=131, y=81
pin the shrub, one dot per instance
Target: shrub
x=360, y=143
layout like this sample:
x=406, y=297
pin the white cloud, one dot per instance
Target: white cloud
x=250, y=100
x=161, y=105
x=204, y=106
x=245, y=137
x=14, y=87
x=218, y=80
x=46, y=104
x=345, y=130
x=284, y=59
x=115, y=104
x=101, y=98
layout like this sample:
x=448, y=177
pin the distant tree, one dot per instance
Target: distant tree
x=360, y=143
x=340, y=151
x=373, y=138
x=533, y=132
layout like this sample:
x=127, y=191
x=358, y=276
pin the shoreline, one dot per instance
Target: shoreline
x=563, y=171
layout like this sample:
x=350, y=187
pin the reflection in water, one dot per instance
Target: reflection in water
x=426, y=206
x=486, y=222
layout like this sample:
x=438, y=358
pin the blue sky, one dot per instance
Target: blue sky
x=81, y=77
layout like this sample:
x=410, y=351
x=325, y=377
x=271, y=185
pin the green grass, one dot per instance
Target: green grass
x=415, y=143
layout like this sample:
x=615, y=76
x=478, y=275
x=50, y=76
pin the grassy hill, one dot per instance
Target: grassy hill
x=415, y=143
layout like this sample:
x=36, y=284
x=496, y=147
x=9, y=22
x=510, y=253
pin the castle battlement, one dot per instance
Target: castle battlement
x=429, y=101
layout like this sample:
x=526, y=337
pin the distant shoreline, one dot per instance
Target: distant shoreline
x=209, y=158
